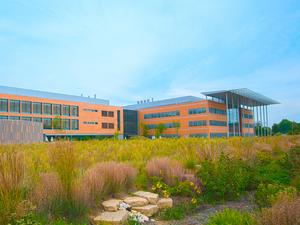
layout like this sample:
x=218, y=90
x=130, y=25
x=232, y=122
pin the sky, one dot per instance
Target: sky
x=127, y=51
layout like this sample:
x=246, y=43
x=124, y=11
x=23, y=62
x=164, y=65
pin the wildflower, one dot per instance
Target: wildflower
x=194, y=201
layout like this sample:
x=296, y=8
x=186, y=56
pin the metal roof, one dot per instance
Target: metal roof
x=246, y=97
x=170, y=101
x=49, y=95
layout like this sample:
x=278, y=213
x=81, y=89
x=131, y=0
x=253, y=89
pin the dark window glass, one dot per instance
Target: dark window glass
x=26, y=107
x=203, y=135
x=75, y=125
x=3, y=105
x=37, y=119
x=104, y=125
x=111, y=126
x=119, y=119
x=217, y=111
x=26, y=118
x=197, y=111
x=66, y=111
x=47, y=123
x=37, y=107
x=14, y=118
x=66, y=124
x=248, y=125
x=248, y=116
x=167, y=125
x=14, y=106
x=163, y=114
x=218, y=135
x=56, y=109
x=110, y=113
x=74, y=111
x=47, y=109
x=56, y=123
x=217, y=123
x=197, y=123
x=3, y=117
x=104, y=113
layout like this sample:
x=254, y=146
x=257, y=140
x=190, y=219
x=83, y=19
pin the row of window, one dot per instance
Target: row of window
x=167, y=125
x=107, y=113
x=48, y=123
x=248, y=116
x=248, y=125
x=191, y=112
x=108, y=126
x=27, y=107
x=90, y=122
x=197, y=123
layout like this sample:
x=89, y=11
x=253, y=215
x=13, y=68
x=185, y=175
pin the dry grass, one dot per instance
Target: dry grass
x=107, y=178
x=285, y=211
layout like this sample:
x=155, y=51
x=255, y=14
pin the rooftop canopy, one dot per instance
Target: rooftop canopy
x=245, y=97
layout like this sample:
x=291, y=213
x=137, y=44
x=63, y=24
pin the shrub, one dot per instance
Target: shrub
x=177, y=212
x=107, y=178
x=224, y=179
x=284, y=212
x=169, y=170
x=11, y=183
x=266, y=194
x=231, y=217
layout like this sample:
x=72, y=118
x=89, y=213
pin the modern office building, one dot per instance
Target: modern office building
x=62, y=115
x=219, y=114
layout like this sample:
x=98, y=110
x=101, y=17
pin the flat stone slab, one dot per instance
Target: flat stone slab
x=164, y=203
x=151, y=197
x=111, y=205
x=148, y=210
x=135, y=201
x=120, y=217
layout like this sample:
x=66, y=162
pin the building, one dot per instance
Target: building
x=239, y=112
x=62, y=115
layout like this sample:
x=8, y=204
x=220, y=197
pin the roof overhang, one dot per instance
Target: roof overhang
x=245, y=97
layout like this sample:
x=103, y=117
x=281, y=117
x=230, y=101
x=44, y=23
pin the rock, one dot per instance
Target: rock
x=111, y=205
x=151, y=197
x=136, y=201
x=119, y=217
x=165, y=203
x=124, y=206
x=148, y=210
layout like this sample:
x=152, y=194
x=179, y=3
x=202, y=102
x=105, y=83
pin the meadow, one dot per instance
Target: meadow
x=64, y=182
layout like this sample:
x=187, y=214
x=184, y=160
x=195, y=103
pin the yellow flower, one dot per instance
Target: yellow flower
x=192, y=184
x=194, y=200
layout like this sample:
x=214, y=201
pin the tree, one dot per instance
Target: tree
x=176, y=125
x=160, y=128
x=145, y=130
x=286, y=127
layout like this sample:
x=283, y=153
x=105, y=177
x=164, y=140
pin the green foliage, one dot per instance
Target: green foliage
x=286, y=127
x=178, y=212
x=159, y=129
x=145, y=129
x=267, y=194
x=28, y=219
x=190, y=164
x=132, y=222
x=231, y=217
x=141, y=181
x=224, y=179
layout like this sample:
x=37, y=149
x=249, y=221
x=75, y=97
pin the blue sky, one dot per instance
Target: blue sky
x=131, y=50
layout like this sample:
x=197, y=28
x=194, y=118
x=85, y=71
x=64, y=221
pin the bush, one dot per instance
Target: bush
x=231, y=217
x=169, y=170
x=225, y=178
x=107, y=178
x=284, y=212
x=266, y=194
x=177, y=212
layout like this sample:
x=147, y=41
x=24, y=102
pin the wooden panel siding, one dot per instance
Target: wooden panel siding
x=20, y=132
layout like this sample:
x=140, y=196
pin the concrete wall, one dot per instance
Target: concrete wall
x=20, y=132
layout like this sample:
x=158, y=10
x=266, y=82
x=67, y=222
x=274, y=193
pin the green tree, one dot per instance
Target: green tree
x=160, y=128
x=144, y=129
x=286, y=127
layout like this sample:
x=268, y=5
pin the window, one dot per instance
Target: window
x=14, y=118
x=110, y=114
x=104, y=113
x=248, y=116
x=248, y=125
x=217, y=111
x=26, y=118
x=66, y=124
x=3, y=105
x=47, y=123
x=104, y=125
x=217, y=123
x=218, y=135
x=163, y=114
x=47, y=109
x=90, y=122
x=203, y=135
x=197, y=123
x=15, y=106
x=167, y=125
x=111, y=126
x=3, y=117
x=37, y=119
x=75, y=125
x=56, y=109
x=37, y=108
x=26, y=107
x=90, y=110
x=119, y=119
x=197, y=111
x=66, y=110
x=74, y=111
